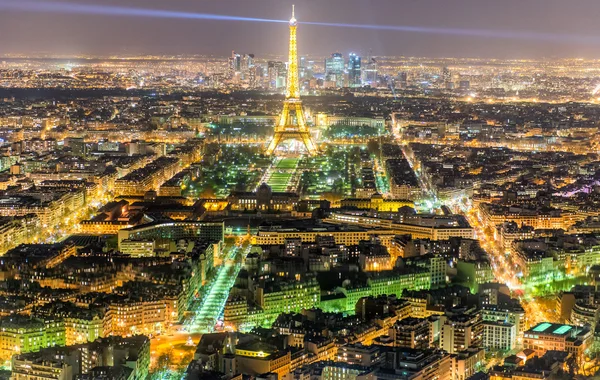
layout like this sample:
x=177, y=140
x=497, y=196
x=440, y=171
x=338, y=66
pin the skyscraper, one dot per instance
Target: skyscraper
x=248, y=60
x=369, y=72
x=235, y=62
x=334, y=69
x=247, y=66
x=354, y=70
x=302, y=67
x=277, y=73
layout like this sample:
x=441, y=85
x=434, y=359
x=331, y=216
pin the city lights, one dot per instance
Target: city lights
x=345, y=215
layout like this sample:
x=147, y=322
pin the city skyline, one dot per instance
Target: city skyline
x=429, y=28
x=342, y=215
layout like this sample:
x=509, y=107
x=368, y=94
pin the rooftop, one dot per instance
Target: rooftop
x=552, y=328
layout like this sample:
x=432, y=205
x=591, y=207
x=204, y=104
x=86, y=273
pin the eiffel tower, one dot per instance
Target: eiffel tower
x=291, y=123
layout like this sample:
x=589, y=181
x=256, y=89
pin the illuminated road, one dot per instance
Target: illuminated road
x=172, y=352
x=210, y=308
x=505, y=271
x=429, y=199
x=383, y=187
x=71, y=224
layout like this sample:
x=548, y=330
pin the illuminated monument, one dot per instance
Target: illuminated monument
x=291, y=122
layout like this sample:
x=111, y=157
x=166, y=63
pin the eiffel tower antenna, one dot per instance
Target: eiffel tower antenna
x=292, y=124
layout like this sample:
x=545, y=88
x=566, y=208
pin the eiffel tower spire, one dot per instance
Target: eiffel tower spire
x=291, y=123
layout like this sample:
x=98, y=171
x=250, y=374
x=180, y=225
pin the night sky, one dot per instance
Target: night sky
x=59, y=33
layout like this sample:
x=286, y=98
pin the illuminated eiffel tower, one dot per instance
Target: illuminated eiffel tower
x=291, y=123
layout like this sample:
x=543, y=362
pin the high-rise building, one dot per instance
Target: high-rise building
x=369, y=72
x=247, y=61
x=302, y=67
x=309, y=70
x=247, y=66
x=235, y=63
x=354, y=70
x=260, y=73
x=277, y=73
x=334, y=69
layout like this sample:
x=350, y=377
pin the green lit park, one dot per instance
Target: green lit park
x=227, y=168
x=280, y=176
x=334, y=174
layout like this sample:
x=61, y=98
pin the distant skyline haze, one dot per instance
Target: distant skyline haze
x=430, y=28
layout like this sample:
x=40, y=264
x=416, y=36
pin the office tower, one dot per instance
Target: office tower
x=302, y=67
x=334, y=69
x=277, y=73
x=235, y=63
x=354, y=70
x=309, y=69
x=247, y=65
x=247, y=61
x=369, y=72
